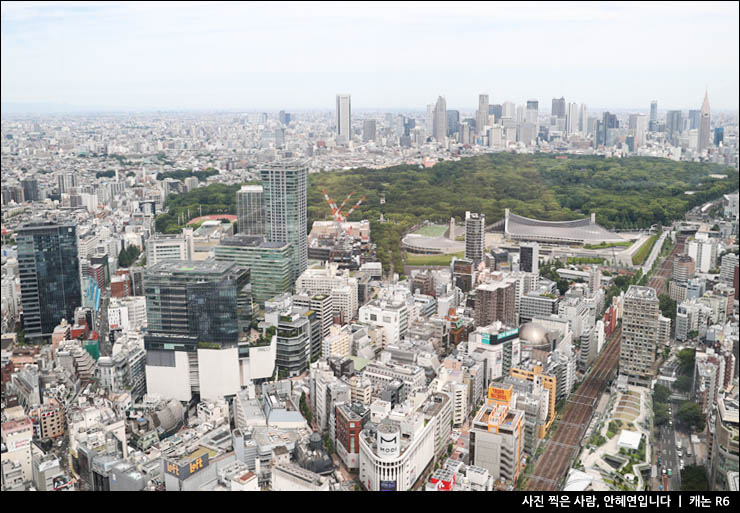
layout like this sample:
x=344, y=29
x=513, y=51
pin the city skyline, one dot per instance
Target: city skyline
x=123, y=56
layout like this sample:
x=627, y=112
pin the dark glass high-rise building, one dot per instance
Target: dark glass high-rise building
x=558, y=107
x=205, y=300
x=529, y=254
x=49, y=268
x=30, y=189
x=497, y=111
x=694, y=116
x=719, y=135
x=673, y=125
x=609, y=121
x=453, y=122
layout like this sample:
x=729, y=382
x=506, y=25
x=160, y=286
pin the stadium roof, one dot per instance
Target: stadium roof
x=578, y=231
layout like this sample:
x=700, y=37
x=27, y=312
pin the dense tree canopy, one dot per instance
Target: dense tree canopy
x=686, y=359
x=690, y=413
x=217, y=198
x=624, y=193
x=661, y=394
x=128, y=256
x=683, y=384
x=667, y=306
x=694, y=479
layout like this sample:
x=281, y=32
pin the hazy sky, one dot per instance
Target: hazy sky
x=390, y=56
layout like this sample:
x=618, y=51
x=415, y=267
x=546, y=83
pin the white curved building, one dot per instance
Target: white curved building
x=579, y=231
x=395, y=453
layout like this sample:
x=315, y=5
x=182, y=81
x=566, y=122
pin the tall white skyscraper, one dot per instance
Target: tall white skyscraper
x=638, y=125
x=508, y=110
x=583, y=119
x=705, y=124
x=344, y=118
x=481, y=119
x=571, y=119
x=439, y=130
x=429, y=121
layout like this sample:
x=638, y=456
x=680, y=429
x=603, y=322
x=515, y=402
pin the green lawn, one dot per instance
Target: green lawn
x=604, y=245
x=432, y=230
x=412, y=259
x=641, y=254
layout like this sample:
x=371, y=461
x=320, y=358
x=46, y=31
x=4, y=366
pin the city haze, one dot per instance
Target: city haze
x=151, y=56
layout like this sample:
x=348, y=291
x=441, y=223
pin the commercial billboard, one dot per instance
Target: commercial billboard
x=487, y=338
x=185, y=470
x=499, y=394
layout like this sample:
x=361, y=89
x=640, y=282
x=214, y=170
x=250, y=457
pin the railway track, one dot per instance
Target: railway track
x=659, y=280
x=563, y=446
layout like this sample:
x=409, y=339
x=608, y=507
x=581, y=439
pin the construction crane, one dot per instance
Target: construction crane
x=334, y=210
x=346, y=200
x=353, y=208
x=339, y=217
x=350, y=213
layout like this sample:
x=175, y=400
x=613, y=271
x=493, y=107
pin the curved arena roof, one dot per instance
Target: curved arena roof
x=578, y=231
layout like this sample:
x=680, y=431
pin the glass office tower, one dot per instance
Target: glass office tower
x=49, y=268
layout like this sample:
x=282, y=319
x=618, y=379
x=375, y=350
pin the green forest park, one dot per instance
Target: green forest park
x=627, y=193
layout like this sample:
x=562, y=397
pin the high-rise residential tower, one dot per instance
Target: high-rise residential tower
x=639, y=334
x=285, y=184
x=49, y=269
x=481, y=119
x=344, y=118
x=250, y=210
x=475, y=237
x=705, y=125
